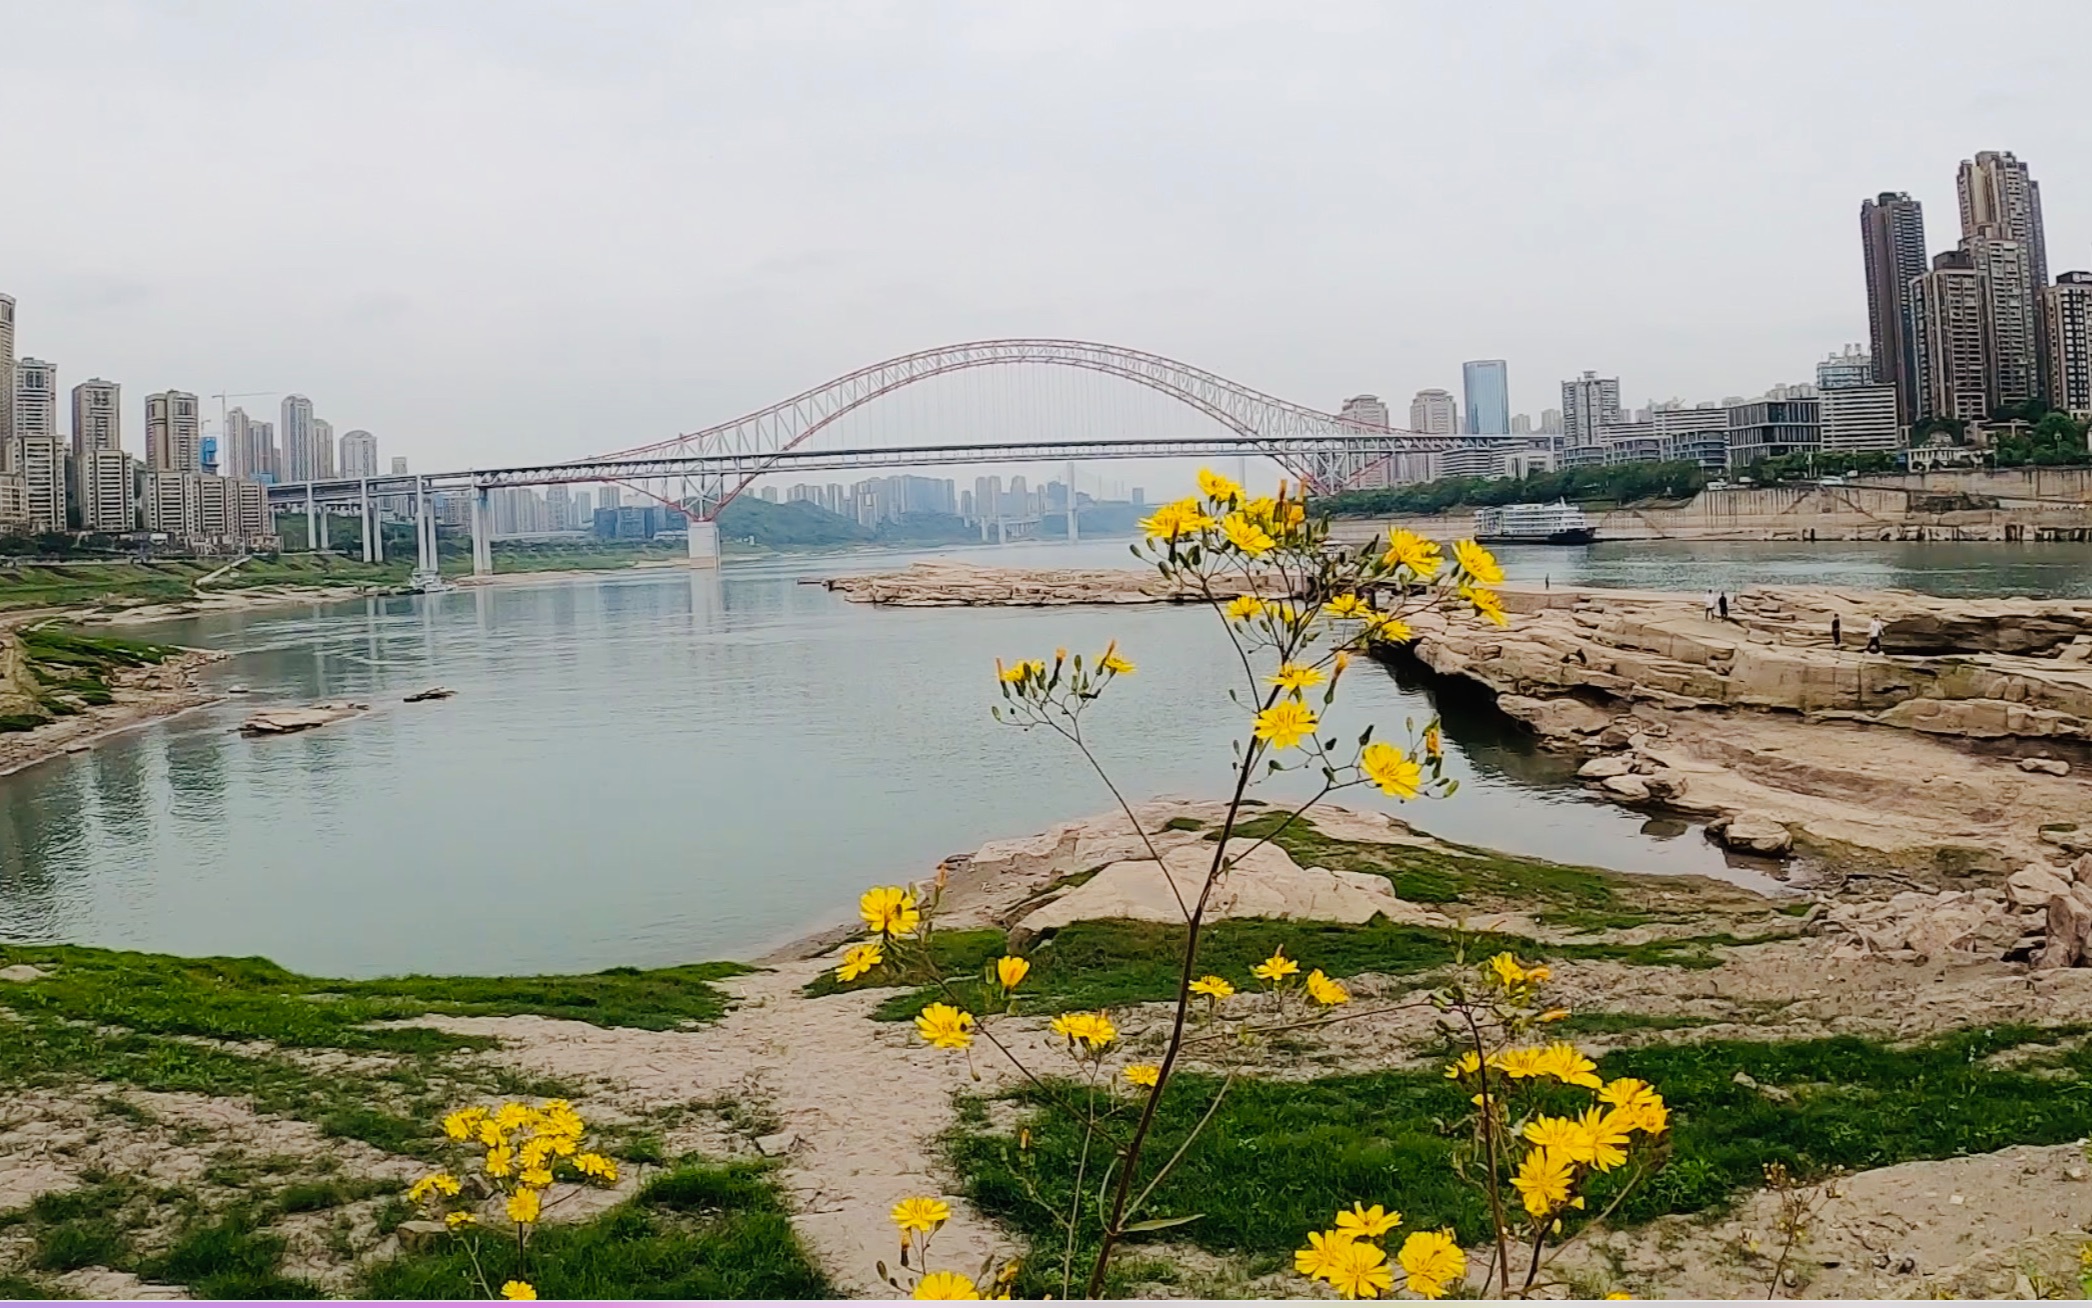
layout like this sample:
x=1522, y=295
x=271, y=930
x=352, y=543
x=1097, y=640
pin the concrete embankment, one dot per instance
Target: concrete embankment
x=2007, y=504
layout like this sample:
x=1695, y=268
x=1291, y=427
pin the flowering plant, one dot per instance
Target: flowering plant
x=513, y=1152
x=1297, y=607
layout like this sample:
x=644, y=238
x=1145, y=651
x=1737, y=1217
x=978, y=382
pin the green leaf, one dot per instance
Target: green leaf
x=1161, y=1223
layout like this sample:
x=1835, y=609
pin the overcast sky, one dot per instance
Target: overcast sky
x=517, y=230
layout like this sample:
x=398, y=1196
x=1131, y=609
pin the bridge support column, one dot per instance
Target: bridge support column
x=363, y=520
x=424, y=529
x=704, y=543
x=482, y=548
x=312, y=521
x=1074, y=528
x=984, y=531
x=323, y=529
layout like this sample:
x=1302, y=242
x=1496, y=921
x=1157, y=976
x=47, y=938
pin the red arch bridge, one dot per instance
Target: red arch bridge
x=702, y=471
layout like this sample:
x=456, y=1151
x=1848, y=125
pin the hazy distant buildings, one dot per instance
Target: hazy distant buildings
x=1948, y=311
x=1551, y=422
x=97, y=417
x=2067, y=323
x=1852, y=367
x=105, y=487
x=174, y=433
x=1365, y=410
x=299, y=462
x=1892, y=234
x=1486, y=387
x=36, y=399
x=1589, y=403
x=7, y=383
x=322, y=449
x=43, y=475
x=1773, y=428
x=359, y=454
x=2011, y=350
x=1434, y=412
x=1996, y=190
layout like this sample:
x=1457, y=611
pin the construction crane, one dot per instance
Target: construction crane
x=222, y=396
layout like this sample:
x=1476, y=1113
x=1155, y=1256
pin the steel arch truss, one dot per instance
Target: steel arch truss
x=1308, y=443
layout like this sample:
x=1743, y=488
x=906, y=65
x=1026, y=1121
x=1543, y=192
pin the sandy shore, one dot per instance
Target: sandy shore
x=143, y=696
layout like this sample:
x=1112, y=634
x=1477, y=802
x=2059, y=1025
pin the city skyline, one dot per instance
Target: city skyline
x=544, y=342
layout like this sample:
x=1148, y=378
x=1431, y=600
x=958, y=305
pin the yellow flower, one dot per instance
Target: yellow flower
x=1465, y=1065
x=464, y=1123
x=1652, y=1117
x=945, y=1285
x=1092, y=1029
x=1314, y=1261
x=1326, y=992
x=1016, y=672
x=536, y=1177
x=518, y=1290
x=1111, y=661
x=523, y=1206
x=1619, y=1294
x=1560, y=1134
x=1216, y=986
x=1245, y=535
x=945, y=1027
x=1144, y=1075
x=1508, y=973
x=1521, y=1063
x=889, y=910
x=1434, y=743
x=596, y=1167
x=921, y=1214
x=434, y=1183
x=1391, y=770
x=859, y=960
x=1284, y=723
x=1296, y=677
x=1358, y=1270
x=1177, y=518
x=1367, y=1223
x=1563, y=1063
x=1242, y=607
x=1011, y=970
x=1406, y=549
x=456, y=1220
x=1431, y=1259
x=1477, y=562
x=1216, y=487
x=1639, y=1107
x=1275, y=968
x=1542, y=1180
x=500, y=1160
x=1347, y=606
x=515, y=1116
x=1283, y=614
x=1604, y=1138
x=1486, y=603
x=1392, y=629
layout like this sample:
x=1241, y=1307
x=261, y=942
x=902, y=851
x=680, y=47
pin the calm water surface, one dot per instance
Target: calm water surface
x=656, y=767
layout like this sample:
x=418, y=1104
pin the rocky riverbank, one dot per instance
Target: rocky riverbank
x=136, y=696
x=940, y=584
x=1961, y=747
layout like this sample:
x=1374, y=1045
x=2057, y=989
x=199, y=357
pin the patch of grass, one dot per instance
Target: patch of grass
x=1096, y=964
x=696, y=1233
x=317, y=1196
x=1460, y=879
x=1280, y=1157
x=248, y=999
x=229, y=1258
x=21, y=1287
x=1184, y=824
x=80, y=1242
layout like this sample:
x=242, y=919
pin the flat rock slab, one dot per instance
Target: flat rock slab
x=1264, y=881
x=934, y=583
x=283, y=722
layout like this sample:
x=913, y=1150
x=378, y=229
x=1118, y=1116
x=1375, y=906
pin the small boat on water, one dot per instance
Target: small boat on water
x=1559, y=523
x=428, y=581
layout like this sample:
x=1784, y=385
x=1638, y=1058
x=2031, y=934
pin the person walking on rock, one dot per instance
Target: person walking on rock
x=1837, y=635
x=1874, y=630
x=1721, y=603
x=1710, y=606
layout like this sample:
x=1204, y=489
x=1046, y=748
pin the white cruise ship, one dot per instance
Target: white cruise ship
x=1559, y=523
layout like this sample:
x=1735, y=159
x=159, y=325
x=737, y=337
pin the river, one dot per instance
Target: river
x=652, y=767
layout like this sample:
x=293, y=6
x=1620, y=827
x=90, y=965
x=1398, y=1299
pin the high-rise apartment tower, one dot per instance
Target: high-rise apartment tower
x=1487, y=387
x=1892, y=234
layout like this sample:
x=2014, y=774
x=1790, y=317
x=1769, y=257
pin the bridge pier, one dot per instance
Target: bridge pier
x=704, y=543
x=424, y=529
x=482, y=547
x=312, y=521
x=323, y=530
